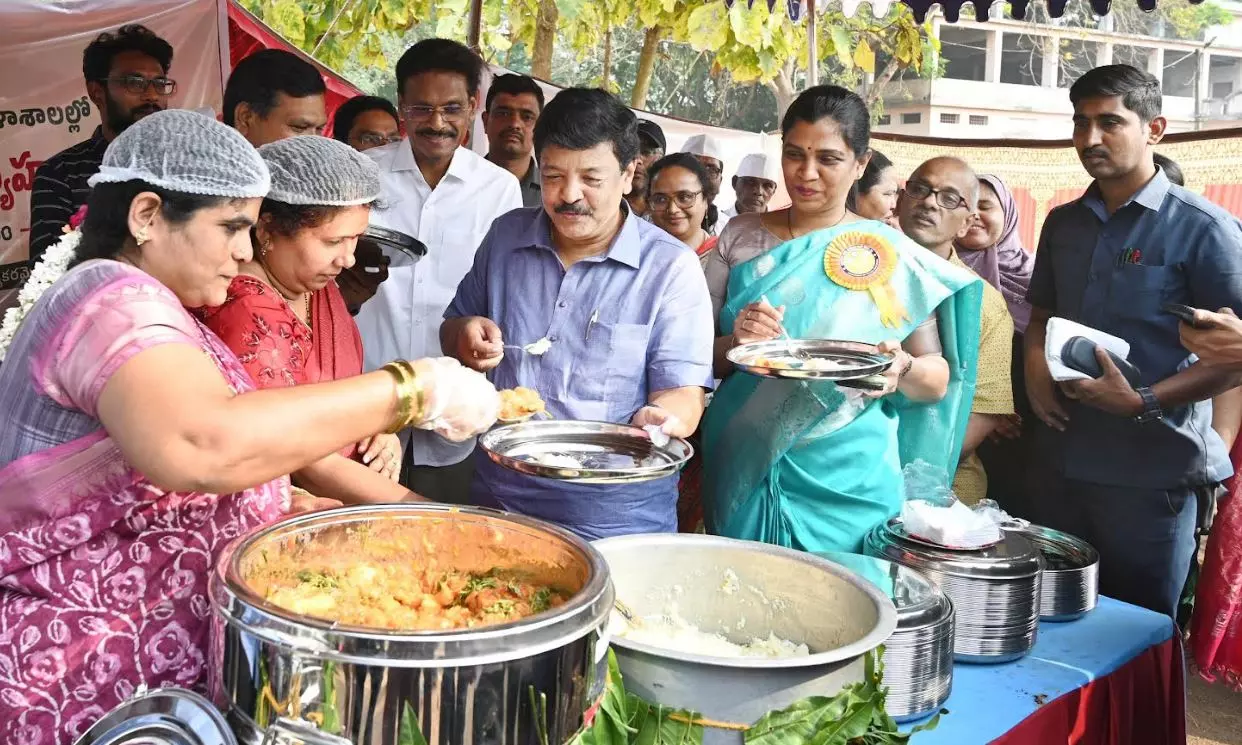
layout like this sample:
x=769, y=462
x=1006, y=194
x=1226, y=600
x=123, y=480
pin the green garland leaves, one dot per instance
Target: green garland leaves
x=855, y=716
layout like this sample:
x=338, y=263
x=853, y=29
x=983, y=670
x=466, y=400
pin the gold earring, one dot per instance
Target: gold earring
x=141, y=236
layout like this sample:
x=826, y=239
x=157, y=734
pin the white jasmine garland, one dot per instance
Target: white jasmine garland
x=51, y=267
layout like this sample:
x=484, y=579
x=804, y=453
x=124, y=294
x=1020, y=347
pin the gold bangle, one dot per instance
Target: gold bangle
x=418, y=412
x=405, y=398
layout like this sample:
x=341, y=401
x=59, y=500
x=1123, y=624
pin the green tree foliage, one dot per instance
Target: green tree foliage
x=693, y=58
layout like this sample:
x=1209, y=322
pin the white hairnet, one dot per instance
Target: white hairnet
x=320, y=171
x=185, y=152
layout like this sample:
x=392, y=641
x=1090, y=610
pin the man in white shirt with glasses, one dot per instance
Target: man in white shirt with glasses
x=447, y=197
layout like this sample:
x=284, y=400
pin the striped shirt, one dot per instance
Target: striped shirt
x=60, y=189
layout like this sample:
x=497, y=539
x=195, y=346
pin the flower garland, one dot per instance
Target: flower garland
x=51, y=267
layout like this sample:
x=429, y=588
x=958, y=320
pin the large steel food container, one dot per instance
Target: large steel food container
x=995, y=590
x=293, y=679
x=742, y=590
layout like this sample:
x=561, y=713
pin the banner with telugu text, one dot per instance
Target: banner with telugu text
x=43, y=103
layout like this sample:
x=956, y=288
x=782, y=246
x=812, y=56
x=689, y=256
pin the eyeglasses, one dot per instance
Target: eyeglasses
x=683, y=199
x=712, y=169
x=421, y=113
x=138, y=84
x=373, y=139
x=947, y=199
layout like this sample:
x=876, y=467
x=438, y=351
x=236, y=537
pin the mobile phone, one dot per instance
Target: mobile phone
x=1079, y=354
x=1184, y=313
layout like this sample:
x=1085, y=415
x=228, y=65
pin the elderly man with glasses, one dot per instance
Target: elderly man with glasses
x=936, y=208
x=126, y=78
x=447, y=197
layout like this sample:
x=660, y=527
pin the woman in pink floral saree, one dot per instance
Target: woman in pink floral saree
x=133, y=445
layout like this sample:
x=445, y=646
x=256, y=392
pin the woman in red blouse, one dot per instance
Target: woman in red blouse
x=284, y=317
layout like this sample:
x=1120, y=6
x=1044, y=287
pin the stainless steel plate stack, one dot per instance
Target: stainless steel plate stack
x=1071, y=572
x=918, y=657
x=995, y=591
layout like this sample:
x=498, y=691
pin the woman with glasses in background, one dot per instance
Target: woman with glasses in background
x=677, y=190
x=811, y=464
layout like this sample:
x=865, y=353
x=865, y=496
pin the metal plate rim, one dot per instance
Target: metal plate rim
x=740, y=354
x=675, y=454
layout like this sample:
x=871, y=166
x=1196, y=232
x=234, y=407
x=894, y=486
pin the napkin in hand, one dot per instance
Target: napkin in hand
x=1061, y=330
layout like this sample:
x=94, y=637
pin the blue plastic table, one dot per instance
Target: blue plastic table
x=989, y=700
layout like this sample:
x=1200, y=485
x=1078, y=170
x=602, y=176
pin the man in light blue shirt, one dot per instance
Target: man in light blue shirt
x=624, y=305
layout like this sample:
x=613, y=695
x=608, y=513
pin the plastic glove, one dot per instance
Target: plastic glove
x=460, y=403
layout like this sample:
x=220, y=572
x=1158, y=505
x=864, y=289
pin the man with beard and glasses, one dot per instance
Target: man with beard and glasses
x=753, y=187
x=447, y=197
x=513, y=106
x=936, y=208
x=126, y=78
x=651, y=146
x=1123, y=466
x=623, y=307
x=273, y=94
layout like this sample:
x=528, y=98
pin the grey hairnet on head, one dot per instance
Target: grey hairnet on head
x=313, y=170
x=185, y=152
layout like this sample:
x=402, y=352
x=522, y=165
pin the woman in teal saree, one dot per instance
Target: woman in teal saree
x=812, y=465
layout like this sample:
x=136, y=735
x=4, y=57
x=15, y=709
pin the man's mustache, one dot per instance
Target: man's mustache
x=1095, y=152
x=572, y=209
x=446, y=133
x=514, y=132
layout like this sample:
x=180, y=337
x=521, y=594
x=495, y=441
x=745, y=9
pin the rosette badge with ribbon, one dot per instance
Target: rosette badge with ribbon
x=865, y=261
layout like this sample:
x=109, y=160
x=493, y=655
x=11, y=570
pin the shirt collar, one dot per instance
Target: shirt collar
x=459, y=167
x=532, y=179
x=626, y=246
x=1151, y=196
x=97, y=140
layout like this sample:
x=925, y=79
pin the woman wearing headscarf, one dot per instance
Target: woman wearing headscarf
x=993, y=249
x=133, y=445
x=284, y=317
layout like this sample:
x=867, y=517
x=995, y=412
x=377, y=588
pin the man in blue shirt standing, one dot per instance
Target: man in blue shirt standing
x=623, y=304
x=1115, y=465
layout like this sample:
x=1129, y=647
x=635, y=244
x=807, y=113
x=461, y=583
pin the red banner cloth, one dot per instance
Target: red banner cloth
x=1141, y=703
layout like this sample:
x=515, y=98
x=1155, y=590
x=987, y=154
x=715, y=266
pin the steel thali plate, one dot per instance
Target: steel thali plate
x=584, y=452
x=810, y=359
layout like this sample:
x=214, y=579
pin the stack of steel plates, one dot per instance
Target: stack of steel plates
x=995, y=590
x=1071, y=572
x=918, y=657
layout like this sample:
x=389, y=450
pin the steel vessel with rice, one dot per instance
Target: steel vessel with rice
x=520, y=659
x=743, y=591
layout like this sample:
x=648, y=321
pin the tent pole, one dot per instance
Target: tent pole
x=475, y=27
x=812, y=45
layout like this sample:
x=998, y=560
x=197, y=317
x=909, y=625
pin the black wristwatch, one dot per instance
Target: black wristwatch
x=1151, y=407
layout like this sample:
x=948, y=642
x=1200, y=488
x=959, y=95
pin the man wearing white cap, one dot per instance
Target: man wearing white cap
x=710, y=152
x=753, y=186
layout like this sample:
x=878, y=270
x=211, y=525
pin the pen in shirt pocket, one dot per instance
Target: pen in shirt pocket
x=591, y=324
x=1130, y=256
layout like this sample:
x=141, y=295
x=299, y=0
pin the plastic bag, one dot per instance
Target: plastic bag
x=927, y=483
